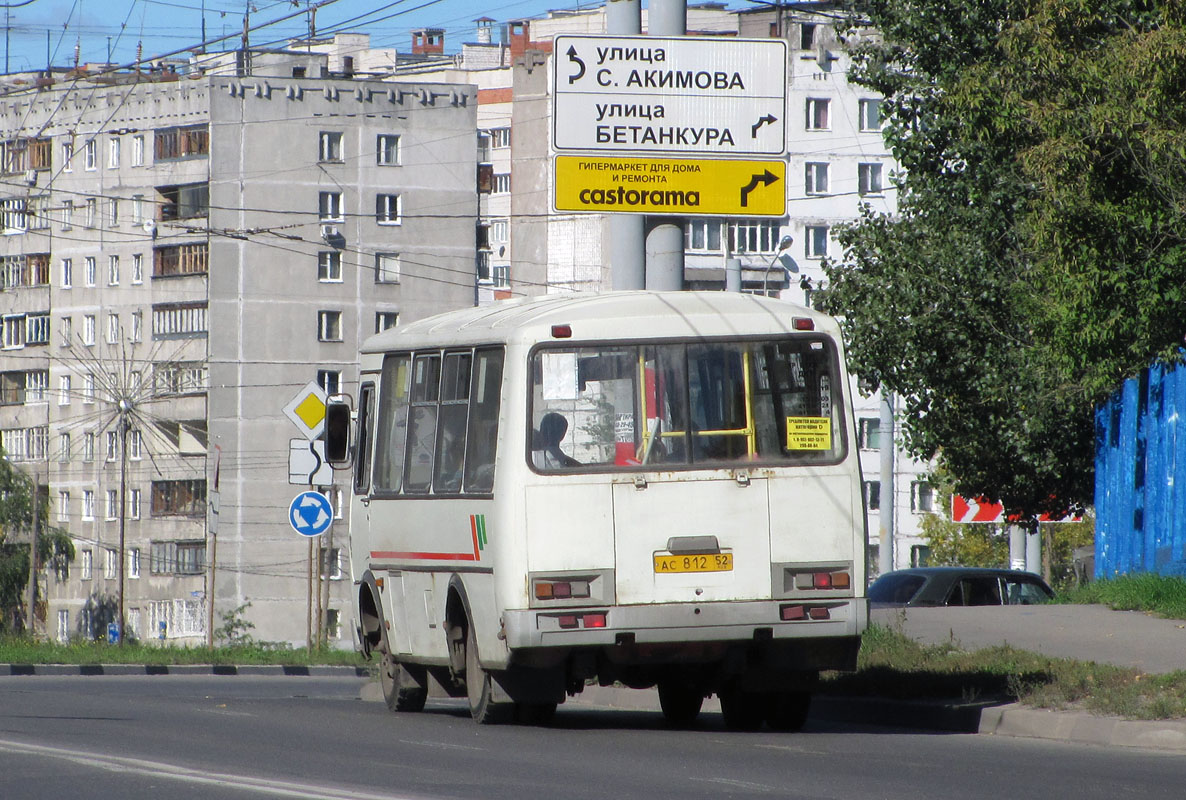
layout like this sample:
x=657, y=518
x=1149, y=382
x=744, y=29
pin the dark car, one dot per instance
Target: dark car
x=958, y=586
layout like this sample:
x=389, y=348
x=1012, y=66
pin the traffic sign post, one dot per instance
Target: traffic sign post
x=671, y=186
x=310, y=514
x=652, y=94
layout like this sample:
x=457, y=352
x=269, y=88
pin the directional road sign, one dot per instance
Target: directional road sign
x=307, y=410
x=310, y=514
x=671, y=186
x=653, y=94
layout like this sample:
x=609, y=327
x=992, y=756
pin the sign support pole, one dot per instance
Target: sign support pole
x=309, y=602
x=627, y=244
x=665, y=240
x=885, y=546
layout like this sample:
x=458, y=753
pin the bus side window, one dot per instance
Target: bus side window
x=362, y=456
x=422, y=425
x=392, y=424
x=482, y=439
x=450, y=449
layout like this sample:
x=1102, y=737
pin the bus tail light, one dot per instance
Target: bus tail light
x=585, y=619
x=560, y=590
x=823, y=579
x=569, y=621
x=561, y=331
x=803, y=323
x=594, y=620
x=797, y=612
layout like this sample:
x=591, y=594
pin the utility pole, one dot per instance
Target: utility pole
x=665, y=240
x=885, y=546
x=627, y=245
x=32, y=598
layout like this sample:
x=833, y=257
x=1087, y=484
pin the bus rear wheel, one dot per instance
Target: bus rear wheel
x=743, y=711
x=787, y=711
x=398, y=692
x=479, y=689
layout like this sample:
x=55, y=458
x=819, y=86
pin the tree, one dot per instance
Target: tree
x=16, y=517
x=1037, y=256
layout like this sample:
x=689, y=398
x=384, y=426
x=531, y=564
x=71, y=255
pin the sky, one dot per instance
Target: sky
x=166, y=26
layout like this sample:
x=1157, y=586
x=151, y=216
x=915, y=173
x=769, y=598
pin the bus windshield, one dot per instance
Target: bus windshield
x=686, y=405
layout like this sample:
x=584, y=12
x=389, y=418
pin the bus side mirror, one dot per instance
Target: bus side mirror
x=337, y=430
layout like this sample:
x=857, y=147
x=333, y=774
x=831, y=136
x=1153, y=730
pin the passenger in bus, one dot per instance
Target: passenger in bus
x=546, y=453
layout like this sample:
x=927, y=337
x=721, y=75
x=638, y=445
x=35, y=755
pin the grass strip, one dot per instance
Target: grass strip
x=895, y=666
x=17, y=650
x=1164, y=595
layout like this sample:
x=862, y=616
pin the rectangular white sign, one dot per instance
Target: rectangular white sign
x=652, y=94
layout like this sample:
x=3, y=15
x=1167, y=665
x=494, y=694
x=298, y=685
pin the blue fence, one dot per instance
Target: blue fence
x=1140, y=476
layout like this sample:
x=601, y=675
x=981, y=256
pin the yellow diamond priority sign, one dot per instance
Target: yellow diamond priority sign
x=307, y=410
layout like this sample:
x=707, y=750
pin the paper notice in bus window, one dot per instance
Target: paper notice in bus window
x=809, y=433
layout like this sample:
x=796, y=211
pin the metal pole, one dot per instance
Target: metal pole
x=32, y=589
x=1033, y=552
x=210, y=590
x=327, y=570
x=627, y=245
x=885, y=539
x=309, y=603
x=733, y=274
x=1016, y=547
x=665, y=241
x=123, y=490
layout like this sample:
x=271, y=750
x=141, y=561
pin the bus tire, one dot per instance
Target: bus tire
x=743, y=711
x=398, y=693
x=534, y=713
x=787, y=711
x=479, y=689
x=680, y=702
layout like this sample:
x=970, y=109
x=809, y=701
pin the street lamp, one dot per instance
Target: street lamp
x=783, y=245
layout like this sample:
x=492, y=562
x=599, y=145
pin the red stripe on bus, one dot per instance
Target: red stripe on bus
x=473, y=529
x=378, y=554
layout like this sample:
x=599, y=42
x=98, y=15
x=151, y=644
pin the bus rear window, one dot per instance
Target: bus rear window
x=686, y=405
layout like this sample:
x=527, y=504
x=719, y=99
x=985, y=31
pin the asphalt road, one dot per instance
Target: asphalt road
x=1088, y=633
x=219, y=738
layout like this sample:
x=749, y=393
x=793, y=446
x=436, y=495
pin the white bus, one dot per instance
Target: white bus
x=638, y=488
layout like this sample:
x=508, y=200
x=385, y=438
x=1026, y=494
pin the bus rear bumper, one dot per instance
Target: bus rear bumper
x=679, y=623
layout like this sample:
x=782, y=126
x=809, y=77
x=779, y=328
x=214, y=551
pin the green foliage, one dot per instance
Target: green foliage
x=1164, y=595
x=1037, y=256
x=16, y=519
x=235, y=630
x=17, y=650
x=965, y=545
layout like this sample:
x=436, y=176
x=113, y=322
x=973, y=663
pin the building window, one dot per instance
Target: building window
x=329, y=206
x=182, y=142
x=331, y=563
x=385, y=320
x=63, y=506
x=868, y=179
x=113, y=270
x=703, y=235
x=806, y=36
x=67, y=214
x=817, y=113
x=502, y=183
x=90, y=210
x=37, y=329
x=387, y=150
x=870, y=115
x=67, y=156
x=88, y=446
x=138, y=268
x=872, y=495
x=14, y=215
x=67, y=273
x=180, y=259
x=754, y=236
x=134, y=504
x=816, y=178
x=178, y=558
x=387, y=267
x=179, y=377
x=500, y=275
x=329, y=146
x=67, y=330
x=185, y=498
x=110, y=563
x=134, y=562
x=137, y=209
x=138, y=150
x=14, y=331
x=387, y=209
x=330, y=380
x=63, y=626
x=88, y=387
x=112, y=445
x=920, y=555
x=90, y=274
x=184, y=201
x=922, y=497
x=88, y=329
x=134, y=445
x=178, y=320
x=64, y=448
x=88, y=504
x=870, y=433
x=500, y=137
x=817, y=241
x=112, y=504
x=86, y=563
x=113, y=152
x=90, y=155
x=329, y=266
x=137, y=326
x=64, y=390
x=329, y=326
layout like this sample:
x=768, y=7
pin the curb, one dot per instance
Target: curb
x=1084, y=728
x=261, y=670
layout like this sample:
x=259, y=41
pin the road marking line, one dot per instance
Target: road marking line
x=160, y=769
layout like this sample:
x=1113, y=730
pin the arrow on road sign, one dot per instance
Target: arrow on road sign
x=310, y=514
x=978, y=510
x=765, y=179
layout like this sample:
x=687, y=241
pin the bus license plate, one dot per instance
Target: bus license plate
x=706, y=562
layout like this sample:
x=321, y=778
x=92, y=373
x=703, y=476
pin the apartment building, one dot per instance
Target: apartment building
x=181, y=254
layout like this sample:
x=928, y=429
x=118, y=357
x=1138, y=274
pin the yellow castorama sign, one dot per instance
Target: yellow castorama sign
x=682, y=187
